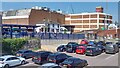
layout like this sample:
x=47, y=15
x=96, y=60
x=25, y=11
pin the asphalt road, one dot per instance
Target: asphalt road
x=100, y=60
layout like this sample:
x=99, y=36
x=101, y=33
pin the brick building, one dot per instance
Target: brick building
x=88, y=21
x=32, y=16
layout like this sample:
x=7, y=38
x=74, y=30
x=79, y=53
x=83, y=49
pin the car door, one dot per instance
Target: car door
x=16, y=60
x=9, y=61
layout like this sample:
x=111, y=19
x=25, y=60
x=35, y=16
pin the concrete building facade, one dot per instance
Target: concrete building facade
x=32, y=16
x=89, y=21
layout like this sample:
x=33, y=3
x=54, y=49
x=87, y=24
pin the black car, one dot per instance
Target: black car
x=118, y=43
x=71, y=47
x=93, y=51
x=41, y=57
x=111, y=48
x=101, y=45
x=57, y=57
x=73, y=62
x=61, y=48
x=25, y=53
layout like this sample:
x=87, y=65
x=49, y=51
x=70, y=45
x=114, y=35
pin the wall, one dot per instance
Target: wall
x=37, y=17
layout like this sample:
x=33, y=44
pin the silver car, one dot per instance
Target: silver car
x=10, y=60
x=111, y=48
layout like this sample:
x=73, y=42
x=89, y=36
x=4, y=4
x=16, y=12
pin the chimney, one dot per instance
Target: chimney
x=99, y=9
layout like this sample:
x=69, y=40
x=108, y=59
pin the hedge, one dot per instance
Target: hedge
x=12, y=45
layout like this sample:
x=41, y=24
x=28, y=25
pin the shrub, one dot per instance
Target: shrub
x=13, y=45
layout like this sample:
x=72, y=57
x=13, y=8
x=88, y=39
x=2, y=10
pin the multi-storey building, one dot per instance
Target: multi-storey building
x=88, y=21
x=32, y=16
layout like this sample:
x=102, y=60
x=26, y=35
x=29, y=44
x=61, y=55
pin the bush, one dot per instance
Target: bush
x=13, y=45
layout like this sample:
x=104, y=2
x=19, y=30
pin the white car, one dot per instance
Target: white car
x=10, y=60
x=50, y=65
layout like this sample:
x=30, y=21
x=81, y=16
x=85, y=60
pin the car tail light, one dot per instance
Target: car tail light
x=39, y=58
x=54, y=61
x=33, y=56
x=69, y=65
x=20, y=54
x=1, y=62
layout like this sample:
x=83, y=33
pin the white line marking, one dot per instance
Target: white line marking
x=109, y=57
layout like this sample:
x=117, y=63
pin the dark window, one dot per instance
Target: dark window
x=14, y=58
x=1, y=59
x=9, y=59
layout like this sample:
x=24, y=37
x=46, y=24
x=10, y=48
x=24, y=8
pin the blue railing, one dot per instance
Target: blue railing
x=61, y=36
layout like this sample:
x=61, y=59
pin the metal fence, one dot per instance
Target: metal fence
x=61, y=36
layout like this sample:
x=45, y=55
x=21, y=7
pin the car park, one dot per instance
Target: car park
x=41, y=57
x=61, y=48
x=84, y=42
x=7, y=61
x=111, y=48
x=57, y=57
x=73, y=62
x=71, y=47
x=25, y=53
x=93, y=51
x=50, y=65
x=81, y=49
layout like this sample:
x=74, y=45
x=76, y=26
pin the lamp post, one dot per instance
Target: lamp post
x=104, y=28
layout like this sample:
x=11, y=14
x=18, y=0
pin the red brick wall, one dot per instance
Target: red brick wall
x=37, y=16
x=109, y=32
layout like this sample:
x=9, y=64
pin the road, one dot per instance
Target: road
x=100, y=60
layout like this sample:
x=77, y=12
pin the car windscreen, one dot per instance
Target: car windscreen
x=51, y=56
x=90, y=48
x=109, y=46
x=1, y=59
x=20, y=52
x=68, y=61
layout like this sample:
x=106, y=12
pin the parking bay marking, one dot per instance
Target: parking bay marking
x=110, y=57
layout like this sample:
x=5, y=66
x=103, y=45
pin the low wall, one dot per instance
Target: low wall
x=51, y=45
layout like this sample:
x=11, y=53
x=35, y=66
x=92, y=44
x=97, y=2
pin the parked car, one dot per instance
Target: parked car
x=61, y=48
x=84, y=42
x=93, y=51
x=118, y=43
x=111, y=48
x=8, y=61
x=41, y=57
x=71, y=47
x=57, y=57
x=50, y=65
x=73, y=62
x=25, y=53
x=101, y=45
x=81, y=49
x=91, y=43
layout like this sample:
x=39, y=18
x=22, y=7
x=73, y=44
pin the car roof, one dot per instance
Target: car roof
x=44, y=52
x=73, y=58
x=57, y=53
x=7, y=56
x=25, y=50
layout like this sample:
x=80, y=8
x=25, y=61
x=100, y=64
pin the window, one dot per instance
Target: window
x=14, y=58
x=9, y=59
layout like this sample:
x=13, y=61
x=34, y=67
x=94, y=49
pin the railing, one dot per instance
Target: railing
x=61, y=36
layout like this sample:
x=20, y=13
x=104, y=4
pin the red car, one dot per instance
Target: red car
x=80, y=50
x=84, y=42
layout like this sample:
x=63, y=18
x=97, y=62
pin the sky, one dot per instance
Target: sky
x=66, y=7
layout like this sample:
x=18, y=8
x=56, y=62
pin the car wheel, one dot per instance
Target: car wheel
x=6, y=66
x=23, y=62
